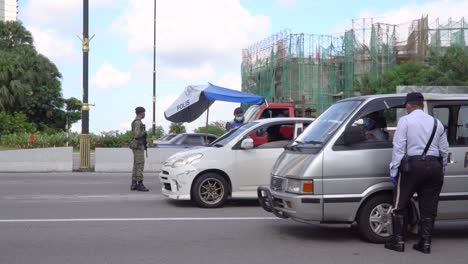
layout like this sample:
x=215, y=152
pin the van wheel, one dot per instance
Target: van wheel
x=210, y=191
x=374, y=220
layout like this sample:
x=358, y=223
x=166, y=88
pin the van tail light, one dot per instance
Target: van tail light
x=308, y=187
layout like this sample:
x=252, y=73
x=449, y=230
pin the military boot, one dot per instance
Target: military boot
x=140, y=187
x=134, y=185
x=397, y=242
x=425, y=230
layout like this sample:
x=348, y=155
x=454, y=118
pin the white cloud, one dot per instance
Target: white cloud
x=205, y=31
x=60, y=13
x=203, y=73
x=51, y=44
x=107, y=77
x=442, y=9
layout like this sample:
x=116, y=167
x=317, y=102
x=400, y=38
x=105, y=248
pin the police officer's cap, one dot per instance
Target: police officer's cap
x=238, y=110
x=140, y=110
x=414, y=97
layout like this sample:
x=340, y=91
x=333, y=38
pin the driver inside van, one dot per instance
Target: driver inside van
x=373, y=125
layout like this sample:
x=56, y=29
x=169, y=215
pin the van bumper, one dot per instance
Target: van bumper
x=301, y=208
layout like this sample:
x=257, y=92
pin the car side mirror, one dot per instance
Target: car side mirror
x=247, y=143
x=354, y=134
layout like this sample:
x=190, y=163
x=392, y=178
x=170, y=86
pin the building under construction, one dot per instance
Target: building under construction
x=322, y=69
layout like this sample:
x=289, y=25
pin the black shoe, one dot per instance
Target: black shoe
x=133, y=187
x=140, y=187
x=397, y=242
x=425, y=231
x=423, y=246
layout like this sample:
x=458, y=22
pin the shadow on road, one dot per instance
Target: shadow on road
x=450, y=230
x=229, y=203
x=335, y=234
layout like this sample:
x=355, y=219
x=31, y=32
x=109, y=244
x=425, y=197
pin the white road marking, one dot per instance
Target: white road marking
x=134, y=219
x=84, y=197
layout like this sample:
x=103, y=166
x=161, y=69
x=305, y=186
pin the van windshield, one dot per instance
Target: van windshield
x=323, y=128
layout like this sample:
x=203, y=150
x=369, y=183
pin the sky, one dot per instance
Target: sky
x=197, y=41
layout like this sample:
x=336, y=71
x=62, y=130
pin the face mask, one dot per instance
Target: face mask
x=369, y=124
x=239, y=118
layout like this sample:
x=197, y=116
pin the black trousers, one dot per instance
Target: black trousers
x=426, y=179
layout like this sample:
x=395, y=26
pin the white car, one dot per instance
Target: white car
x=233, y=166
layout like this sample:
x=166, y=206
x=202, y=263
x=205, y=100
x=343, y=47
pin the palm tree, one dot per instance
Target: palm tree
x=177, y=128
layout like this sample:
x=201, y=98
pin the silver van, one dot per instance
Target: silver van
x=337, y=170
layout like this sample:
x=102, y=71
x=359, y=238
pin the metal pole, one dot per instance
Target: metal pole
x=84, y=137
x=154, y=73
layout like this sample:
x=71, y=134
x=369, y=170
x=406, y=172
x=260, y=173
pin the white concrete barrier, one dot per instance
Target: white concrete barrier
x=121, y=159
x=37, y=160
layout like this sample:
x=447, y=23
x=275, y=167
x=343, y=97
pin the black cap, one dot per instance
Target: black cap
x=414, y=97
x=140, y=110
x=238, y=110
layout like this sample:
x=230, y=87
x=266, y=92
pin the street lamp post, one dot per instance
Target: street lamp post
x=85, y=147
x=154, y=73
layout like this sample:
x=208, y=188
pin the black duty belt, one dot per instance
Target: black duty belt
x=419, y=157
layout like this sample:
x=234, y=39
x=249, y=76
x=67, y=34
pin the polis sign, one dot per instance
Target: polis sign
x=183, y=105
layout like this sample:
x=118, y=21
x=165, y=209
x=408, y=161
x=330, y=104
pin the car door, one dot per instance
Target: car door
x=253, y=166
x=453, y=203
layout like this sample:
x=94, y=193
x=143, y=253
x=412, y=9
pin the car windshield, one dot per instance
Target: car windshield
x=251, y=113
x=227, y=137
x=175, y=139
x=323, y=128
x=167, y=137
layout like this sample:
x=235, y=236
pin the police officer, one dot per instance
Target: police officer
x=138, y=145
x=425, y=176
x=238, y=119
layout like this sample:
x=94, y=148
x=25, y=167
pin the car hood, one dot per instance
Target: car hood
x=293, y=165
x=189, y=151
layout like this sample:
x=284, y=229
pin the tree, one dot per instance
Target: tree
x=177, y=128
x=29, y=82
x=159, y=132
x=216, y=128
x=448, y=68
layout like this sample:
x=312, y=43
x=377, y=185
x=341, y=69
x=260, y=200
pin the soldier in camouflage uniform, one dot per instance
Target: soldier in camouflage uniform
x=138, y=145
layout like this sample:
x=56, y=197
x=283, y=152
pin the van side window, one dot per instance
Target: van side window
x=462, y=126
x=373, y=127
x=454, y=117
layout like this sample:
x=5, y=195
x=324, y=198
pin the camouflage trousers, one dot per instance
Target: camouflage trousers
x=138, y=164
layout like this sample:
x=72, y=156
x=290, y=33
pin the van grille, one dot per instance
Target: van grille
x=276, y=183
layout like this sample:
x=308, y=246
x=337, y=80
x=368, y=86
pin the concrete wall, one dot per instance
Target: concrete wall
x=37, y=160
x=121, y=159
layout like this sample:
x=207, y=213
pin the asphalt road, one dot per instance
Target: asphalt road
x=94, y=218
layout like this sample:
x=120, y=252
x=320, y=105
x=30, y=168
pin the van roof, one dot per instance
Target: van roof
x=427, y=97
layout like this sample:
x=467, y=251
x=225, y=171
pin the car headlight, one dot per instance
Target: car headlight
x=190, y=159
x=300, y=186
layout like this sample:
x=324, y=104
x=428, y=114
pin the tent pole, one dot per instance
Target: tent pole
x=207, y=115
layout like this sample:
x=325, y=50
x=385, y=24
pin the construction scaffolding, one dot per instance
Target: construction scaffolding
x=322, y=69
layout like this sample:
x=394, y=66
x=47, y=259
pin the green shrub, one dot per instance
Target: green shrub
x=110, y=139
x=16, y=123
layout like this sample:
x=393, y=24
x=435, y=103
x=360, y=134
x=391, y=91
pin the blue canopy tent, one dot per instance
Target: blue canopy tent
x=196, y=99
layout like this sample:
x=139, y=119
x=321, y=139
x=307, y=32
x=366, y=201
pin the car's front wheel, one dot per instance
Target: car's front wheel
x=210, y=191
x=374, y=219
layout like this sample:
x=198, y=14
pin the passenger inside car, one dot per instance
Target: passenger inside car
x=278, y=136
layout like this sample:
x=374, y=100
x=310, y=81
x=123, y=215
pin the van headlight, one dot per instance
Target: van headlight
x=300, y=186
x=186, y=160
